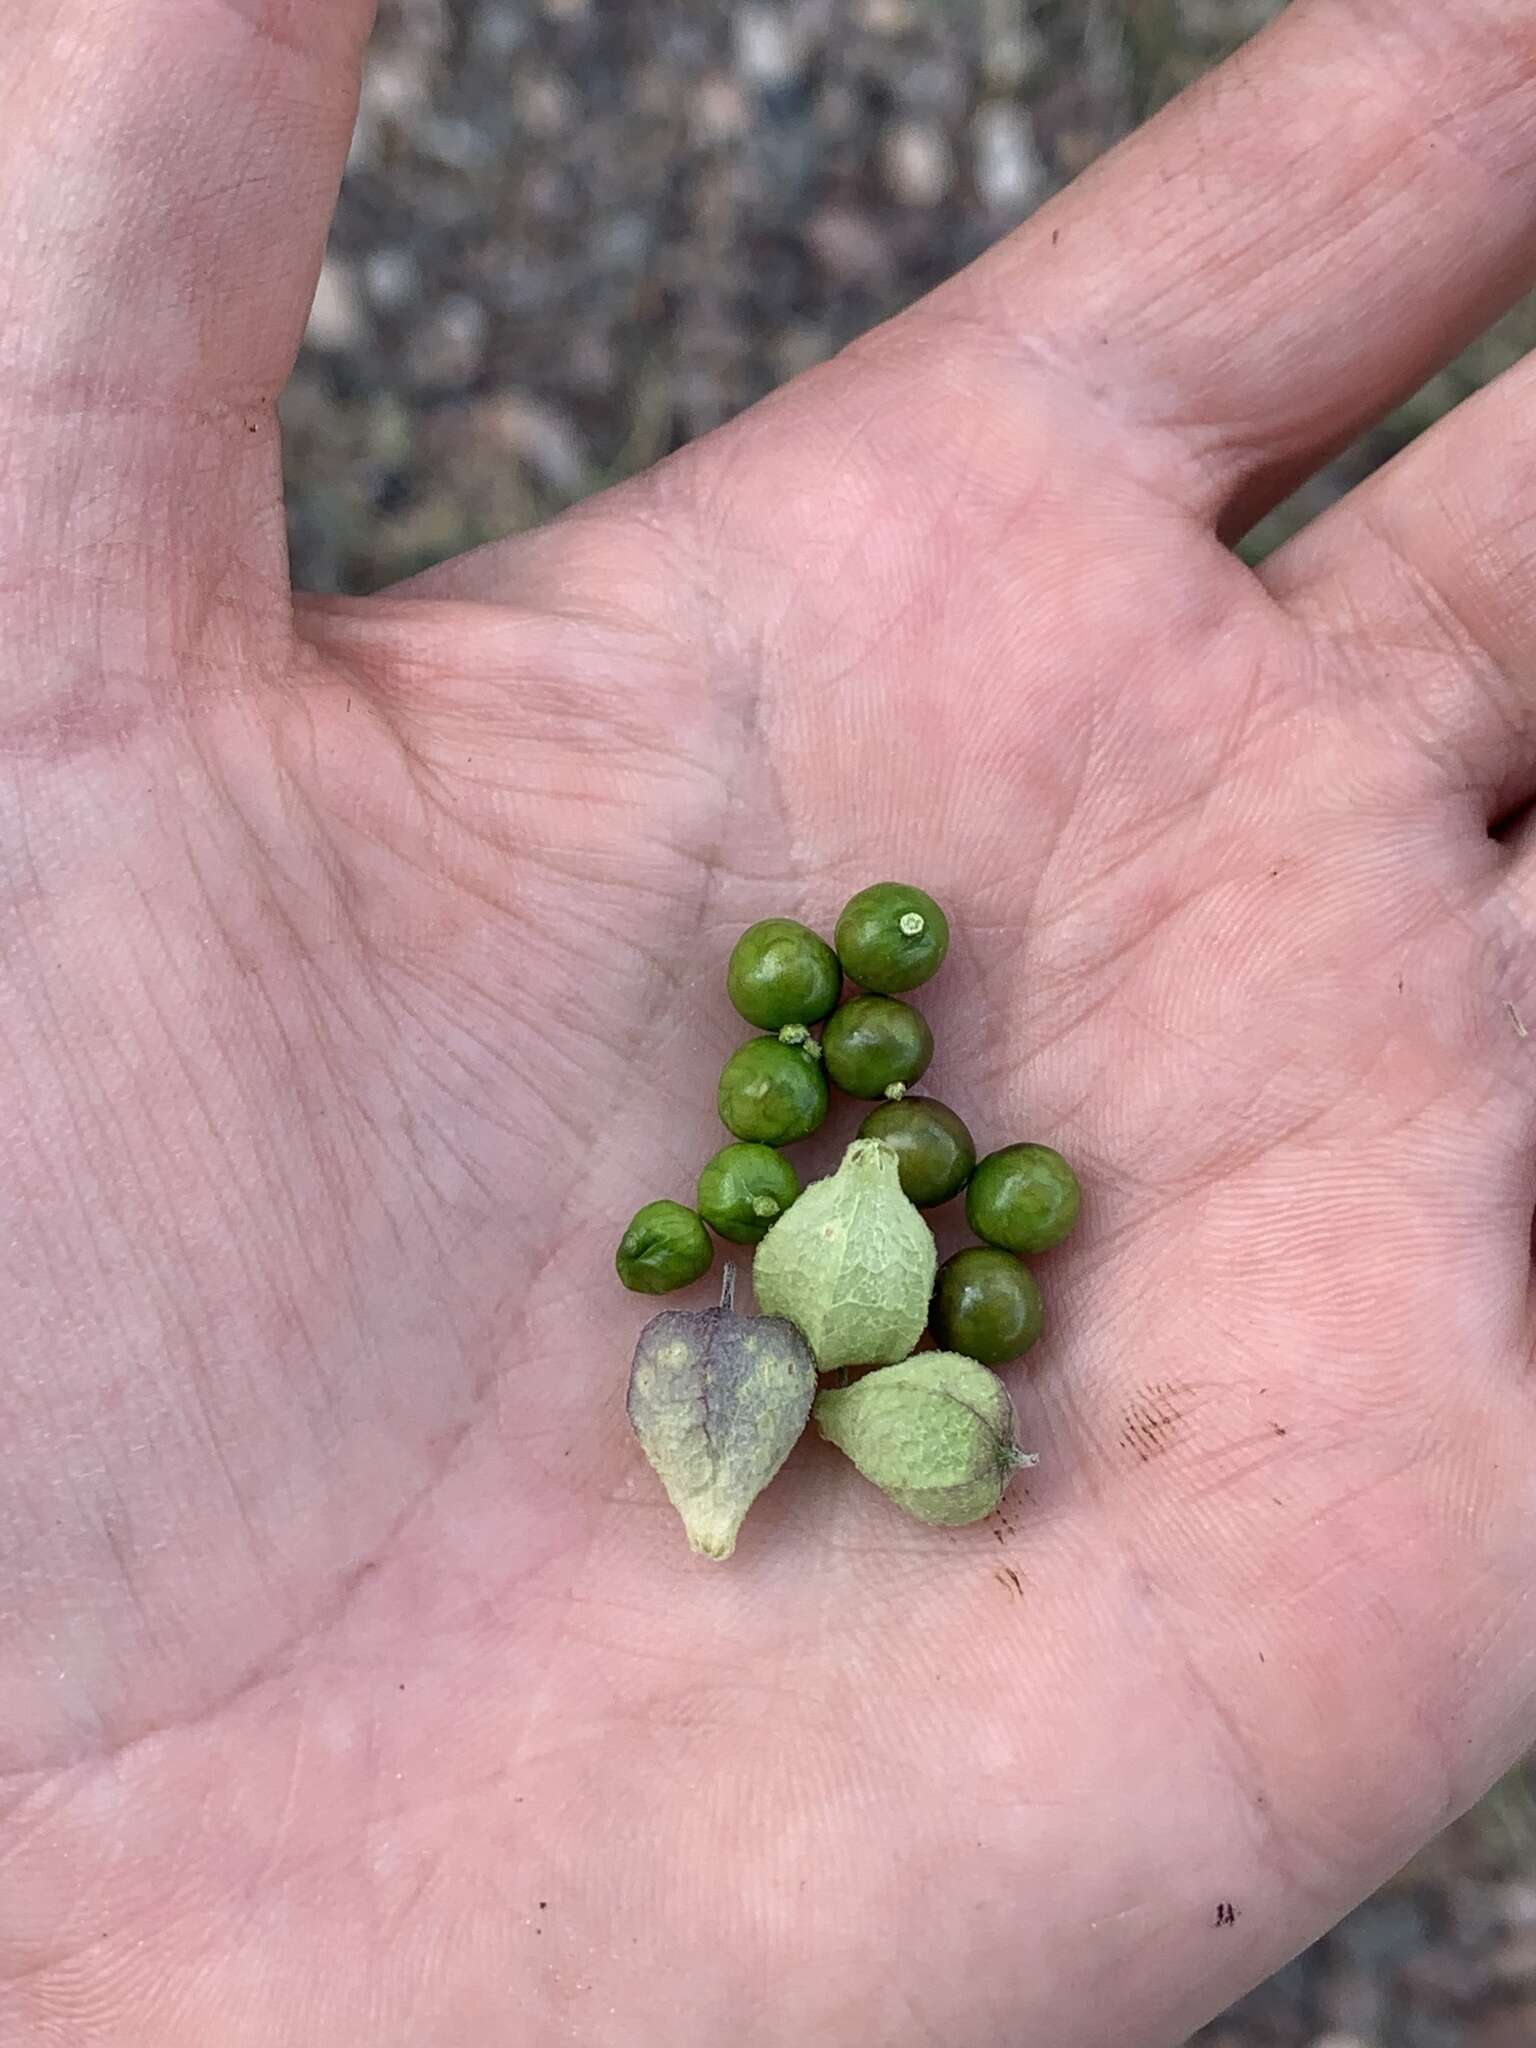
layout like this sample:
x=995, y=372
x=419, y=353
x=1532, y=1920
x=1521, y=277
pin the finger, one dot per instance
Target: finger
x=1420, y=586
x=1288, y=250
x=167, y=171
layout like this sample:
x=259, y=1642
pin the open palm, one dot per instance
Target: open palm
x=363, y=972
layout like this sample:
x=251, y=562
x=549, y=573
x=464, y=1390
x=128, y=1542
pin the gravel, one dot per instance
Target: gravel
x=574, y=233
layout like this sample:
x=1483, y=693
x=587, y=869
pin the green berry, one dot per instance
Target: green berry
x=744, y=1191
x=933, y=1146
x=987, y=1306
x=1024, y=1198
x=876, y=1046
x=666, y=1246
x=783, y=973
x=892, y=937
x=772, y=1093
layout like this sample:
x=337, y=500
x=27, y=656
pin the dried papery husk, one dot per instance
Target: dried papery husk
x=852, y=1263
x=937, y=1433
x=718, y=1401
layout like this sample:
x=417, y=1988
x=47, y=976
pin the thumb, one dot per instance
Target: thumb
x=167, y=173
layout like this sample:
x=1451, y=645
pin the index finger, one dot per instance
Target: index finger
x=1289, y=249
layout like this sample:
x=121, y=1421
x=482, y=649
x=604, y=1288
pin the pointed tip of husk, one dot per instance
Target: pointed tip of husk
x=870, y=1152
x=712, y=1534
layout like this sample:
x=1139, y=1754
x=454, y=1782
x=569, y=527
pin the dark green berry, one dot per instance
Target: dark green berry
x=892, y=937
x=772, y=1093
x=666, y=1246
x=744, y=1191
x=876, y=1046
x=933, y=1148
x=986, y=1305
x=783, y=973
x=1024, y=1198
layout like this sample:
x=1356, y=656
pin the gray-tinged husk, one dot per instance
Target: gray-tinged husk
x=718, y=1401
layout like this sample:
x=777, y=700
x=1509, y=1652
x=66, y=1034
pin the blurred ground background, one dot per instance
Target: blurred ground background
x=574, y=234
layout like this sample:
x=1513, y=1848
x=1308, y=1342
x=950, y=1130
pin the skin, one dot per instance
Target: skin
x=357, y=1683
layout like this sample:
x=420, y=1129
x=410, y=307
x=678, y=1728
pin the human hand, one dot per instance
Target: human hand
x=363, y=971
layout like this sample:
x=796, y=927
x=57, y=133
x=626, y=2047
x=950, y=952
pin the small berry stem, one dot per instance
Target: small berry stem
x=728, y=1289
x=913, y=924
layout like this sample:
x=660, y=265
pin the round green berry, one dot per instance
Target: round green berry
x=935, y=1150
x=876, y=1046
x=1024, y=1198
x=772, y=1093
x=744, y=1191
x=666, y=1246
x=987, y=1306
x=783, y=973
x=892, y=937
